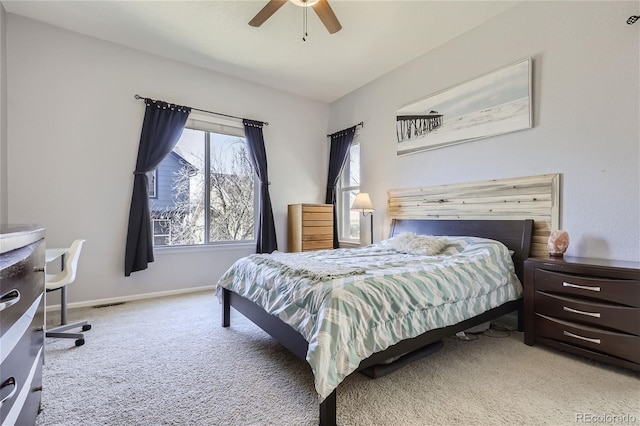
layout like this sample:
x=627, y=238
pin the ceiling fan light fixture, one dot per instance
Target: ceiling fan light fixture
x=320, y=7
x=304, y=3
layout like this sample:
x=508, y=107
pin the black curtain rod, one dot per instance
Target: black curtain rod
x=203, y=110
x=361, y=124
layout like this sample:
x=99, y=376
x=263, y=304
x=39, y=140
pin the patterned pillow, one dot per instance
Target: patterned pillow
x=424, y=245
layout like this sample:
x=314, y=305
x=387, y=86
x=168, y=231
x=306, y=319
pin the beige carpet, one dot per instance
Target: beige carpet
x=168, y=361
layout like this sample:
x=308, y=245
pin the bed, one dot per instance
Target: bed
x=375, y=349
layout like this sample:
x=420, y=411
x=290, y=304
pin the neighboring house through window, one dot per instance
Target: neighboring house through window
x=161, y=232
x=205, y=189
x=347, y=189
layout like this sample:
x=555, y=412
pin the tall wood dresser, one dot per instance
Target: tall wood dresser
x=22, y=258
x=310, y=227
x=589, y=307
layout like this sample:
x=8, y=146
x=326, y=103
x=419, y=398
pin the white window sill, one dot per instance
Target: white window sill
x=244, y=246
x=349, y=244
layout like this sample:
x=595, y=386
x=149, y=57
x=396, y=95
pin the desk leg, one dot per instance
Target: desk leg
x=63, y=297
x=63, y=305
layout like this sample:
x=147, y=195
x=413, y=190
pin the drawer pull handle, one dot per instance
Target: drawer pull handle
x=10, y=298
x=9, y=382
x=575, y=311
x=575, y=336
x=581, y=287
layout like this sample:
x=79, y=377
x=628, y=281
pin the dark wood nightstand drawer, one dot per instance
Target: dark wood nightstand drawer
x=620, y=345
x=613, y=290
x=20, y=285
x=22, y=259
x=607, y=315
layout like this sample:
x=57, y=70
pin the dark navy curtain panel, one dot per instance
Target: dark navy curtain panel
x=266, y=238
x=340, y=143
x=161, y=129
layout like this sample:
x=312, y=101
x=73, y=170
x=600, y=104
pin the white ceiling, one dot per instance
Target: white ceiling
x=377, y=36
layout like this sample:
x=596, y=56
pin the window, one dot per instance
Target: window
x=161, y=232
x=205, y=188
x=347, y=189
x=153, y=184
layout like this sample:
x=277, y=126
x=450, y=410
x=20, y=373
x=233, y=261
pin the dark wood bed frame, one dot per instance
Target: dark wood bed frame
x=515, y=234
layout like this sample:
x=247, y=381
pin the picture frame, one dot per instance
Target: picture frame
x=493, y=104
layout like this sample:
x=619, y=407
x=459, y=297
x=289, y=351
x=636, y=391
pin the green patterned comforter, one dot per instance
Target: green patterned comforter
x=374, y=297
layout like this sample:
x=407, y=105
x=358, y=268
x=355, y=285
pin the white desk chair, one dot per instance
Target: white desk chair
x=57, y=282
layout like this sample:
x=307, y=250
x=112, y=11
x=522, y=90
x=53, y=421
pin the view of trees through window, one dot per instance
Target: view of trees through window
x=348, y=188
x=204, y=191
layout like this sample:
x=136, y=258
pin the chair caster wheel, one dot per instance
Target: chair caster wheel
x=79, y=342
x=86, y=327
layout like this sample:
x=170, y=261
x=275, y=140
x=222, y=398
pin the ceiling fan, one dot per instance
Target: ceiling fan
x=321, y=7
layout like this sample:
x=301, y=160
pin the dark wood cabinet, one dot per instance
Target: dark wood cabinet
x=589, y=307
x=22, y=258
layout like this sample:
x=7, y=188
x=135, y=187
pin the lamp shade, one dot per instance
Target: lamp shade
x=363, y=203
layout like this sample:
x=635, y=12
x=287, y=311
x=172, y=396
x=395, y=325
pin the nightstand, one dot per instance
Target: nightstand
x=589, y=307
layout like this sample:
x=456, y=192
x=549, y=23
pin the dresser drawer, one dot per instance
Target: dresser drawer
x=324, y=231
x=29, y=326
x=22, y=258
x=317, y=216
x=23, y=406
x=21, y=372
x=317, y=245
x=620, y=291
x=317, y=208
x=317, y=242
x=20, y=285
x=620, y=345
x=584, y=311
x=317, y=223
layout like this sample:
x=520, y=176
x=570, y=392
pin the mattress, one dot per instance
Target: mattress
x=351, y=303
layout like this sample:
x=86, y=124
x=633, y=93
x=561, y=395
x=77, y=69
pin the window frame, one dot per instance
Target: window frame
x=152, y=176
x=343, y=212
x=154, y=221
x=207, y=125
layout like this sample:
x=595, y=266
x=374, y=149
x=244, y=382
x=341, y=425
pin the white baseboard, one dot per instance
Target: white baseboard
x=112, y=300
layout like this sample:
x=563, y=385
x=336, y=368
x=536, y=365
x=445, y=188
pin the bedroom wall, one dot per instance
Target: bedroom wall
x=585, y=96
x=73, y=140
x=3, y=117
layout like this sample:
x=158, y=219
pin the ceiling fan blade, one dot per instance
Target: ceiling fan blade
x=266, y=12
x=326, y=15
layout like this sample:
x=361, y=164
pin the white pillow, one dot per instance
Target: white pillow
x=424, y=245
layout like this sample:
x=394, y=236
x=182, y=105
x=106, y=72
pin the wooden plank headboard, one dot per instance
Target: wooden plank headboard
x=531, y=197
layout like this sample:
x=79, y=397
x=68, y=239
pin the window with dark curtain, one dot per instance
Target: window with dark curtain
x=266, y=238
x=161, y=128
x=340, y=144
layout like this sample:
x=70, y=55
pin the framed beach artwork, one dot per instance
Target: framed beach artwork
x=496, y=103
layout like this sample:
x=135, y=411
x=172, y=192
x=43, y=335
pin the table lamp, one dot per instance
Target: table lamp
x=363, y=204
